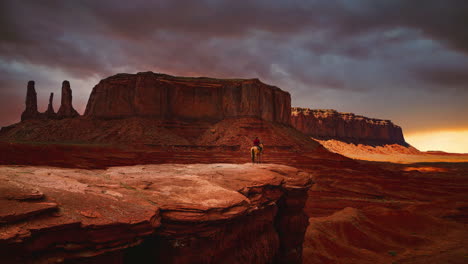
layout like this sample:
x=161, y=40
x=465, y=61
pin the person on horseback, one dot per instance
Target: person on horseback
x=257, y=144
x=256, y=151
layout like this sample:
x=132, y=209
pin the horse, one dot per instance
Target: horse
x=256, y=153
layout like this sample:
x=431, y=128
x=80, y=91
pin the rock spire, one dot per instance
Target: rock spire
x=31, y=103
x=50, y=112
x=66, y=109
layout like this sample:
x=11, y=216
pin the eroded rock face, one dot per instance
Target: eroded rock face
x=330, y=124
x=214, y=213
x=66, y=109
x=162, y=96
x=31, y=103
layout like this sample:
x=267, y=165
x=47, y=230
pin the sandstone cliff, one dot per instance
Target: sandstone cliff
x=330, y=124
x=216, y=213
x=166, y=97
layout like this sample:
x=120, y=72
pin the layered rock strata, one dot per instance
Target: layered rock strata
x=330, y=124
x=216, y=213
x=166, y=97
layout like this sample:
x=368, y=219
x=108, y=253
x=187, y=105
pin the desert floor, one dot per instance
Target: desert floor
x=359, y=211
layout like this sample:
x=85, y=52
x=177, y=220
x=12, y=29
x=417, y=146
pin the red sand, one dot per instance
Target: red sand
x=390, y=153
x=360, y=212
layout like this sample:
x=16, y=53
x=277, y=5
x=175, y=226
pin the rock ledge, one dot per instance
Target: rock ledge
x=170, y=213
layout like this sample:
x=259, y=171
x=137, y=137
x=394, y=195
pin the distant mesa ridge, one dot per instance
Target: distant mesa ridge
x=173, y=102
x=330, y=124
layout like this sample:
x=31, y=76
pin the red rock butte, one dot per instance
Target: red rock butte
x=160, y=109
x=154, y=109
x=161, y=96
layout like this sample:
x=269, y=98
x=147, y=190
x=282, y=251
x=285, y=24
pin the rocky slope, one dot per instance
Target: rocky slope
x=330, y=124
x=388, y=213
x=164, y=97
x=216, y=213
x=230, y=134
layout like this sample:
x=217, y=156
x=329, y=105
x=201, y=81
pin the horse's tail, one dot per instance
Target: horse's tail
x=252, y=152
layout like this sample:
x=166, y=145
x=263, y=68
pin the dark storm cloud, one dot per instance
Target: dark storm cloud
x=452, y=77
x=306, y=47
x=73, y=34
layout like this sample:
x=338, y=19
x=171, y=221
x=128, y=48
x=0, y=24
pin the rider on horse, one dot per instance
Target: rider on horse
x=256, y=143
x=256, y=151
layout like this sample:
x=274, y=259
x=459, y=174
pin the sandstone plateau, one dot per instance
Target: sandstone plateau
x=216, y=213
x=161, y=96
x=330, y=124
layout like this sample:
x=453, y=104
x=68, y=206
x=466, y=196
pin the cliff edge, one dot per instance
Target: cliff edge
x=215, y=213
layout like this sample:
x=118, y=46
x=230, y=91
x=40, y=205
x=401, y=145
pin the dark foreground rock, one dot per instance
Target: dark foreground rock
x=214, y=213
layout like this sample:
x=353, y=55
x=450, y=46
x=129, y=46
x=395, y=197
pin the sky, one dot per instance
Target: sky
x=402, y=60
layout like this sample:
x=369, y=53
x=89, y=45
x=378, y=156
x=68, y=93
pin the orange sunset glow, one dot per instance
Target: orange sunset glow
x=454, y=141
